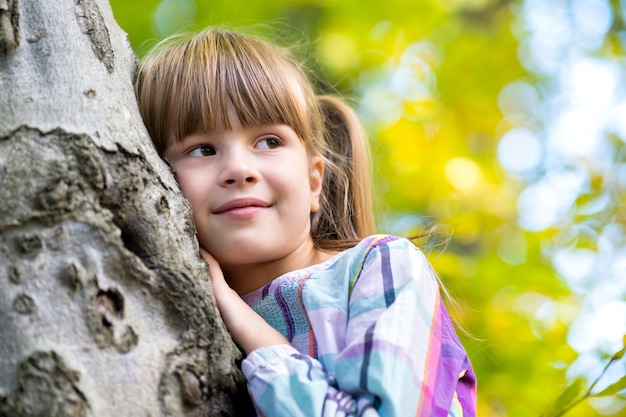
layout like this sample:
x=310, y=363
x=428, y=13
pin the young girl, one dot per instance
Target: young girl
x=334, y=321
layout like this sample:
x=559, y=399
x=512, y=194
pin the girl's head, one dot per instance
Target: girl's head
x=202, y=83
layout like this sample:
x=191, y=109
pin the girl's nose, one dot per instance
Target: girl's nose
x=239, y=169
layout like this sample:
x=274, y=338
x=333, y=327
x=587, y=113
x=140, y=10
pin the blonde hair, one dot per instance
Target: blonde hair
x=189, y=82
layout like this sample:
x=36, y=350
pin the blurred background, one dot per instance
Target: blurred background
x=505, y=122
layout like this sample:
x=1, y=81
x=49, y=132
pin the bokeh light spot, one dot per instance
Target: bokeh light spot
x=462, y=173
x=575, y=265
x=519, y=151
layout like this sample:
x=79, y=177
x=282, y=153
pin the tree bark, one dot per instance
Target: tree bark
x=106, y=309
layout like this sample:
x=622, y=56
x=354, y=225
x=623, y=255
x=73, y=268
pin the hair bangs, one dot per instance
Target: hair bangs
x=253, y=83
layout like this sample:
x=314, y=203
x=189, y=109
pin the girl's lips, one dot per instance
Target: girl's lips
x=247, y=212
x=241, y=206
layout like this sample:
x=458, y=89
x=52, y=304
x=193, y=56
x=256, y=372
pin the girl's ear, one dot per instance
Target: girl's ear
x=316, y=176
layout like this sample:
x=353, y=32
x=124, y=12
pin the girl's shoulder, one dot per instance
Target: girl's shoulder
x=379, y=242
x=384, y=239
x=380, y=249
x=393, y=248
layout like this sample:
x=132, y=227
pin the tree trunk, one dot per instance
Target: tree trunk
x=106, y=308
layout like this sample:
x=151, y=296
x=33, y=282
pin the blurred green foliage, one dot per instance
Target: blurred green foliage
x=434, y=160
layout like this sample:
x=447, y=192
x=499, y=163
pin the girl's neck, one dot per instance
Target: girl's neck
x=247, y=278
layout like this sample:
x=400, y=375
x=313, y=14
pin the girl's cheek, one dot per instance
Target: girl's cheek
x=186, y=184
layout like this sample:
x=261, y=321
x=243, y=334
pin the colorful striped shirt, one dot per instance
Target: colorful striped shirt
x=369, y=336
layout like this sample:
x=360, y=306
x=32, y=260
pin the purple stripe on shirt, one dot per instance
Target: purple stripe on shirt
x=367, y=352
x=452, y=361
x=266, y=290
x=387, y=276
x=284, y=307
x=372, y=245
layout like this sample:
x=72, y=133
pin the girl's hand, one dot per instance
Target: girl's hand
x=249, y=330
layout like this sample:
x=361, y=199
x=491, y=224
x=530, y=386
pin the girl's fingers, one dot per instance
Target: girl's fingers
x=214, y=267
x=215, y=272
x=207, y=257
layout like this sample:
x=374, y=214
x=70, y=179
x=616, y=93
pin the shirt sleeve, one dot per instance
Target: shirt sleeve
x=401, y=358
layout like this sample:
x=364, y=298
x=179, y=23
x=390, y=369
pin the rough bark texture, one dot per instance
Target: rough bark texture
x=105, y=307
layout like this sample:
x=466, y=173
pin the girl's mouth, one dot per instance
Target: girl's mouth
x=242, y=207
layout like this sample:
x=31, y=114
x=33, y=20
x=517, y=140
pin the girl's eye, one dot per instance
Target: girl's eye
x=202, y=150
x=270, y=142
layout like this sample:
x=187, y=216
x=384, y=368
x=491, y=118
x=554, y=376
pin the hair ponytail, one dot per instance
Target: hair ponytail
x=346, y=213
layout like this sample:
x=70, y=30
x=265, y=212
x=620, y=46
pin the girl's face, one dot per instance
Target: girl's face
x=252, y=190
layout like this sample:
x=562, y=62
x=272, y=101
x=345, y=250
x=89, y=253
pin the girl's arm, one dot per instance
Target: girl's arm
x=401, y=356
x=247, y=328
